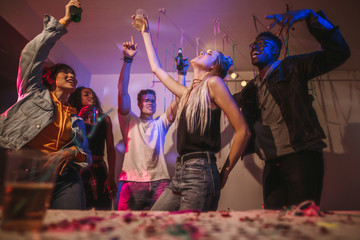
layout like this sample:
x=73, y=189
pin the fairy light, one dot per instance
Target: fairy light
x=234, y=75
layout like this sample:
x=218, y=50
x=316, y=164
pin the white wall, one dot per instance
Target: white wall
x=337, y=102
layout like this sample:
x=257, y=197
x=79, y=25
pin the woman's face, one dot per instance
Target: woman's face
x=205, y=59
x=87, y=97
x=65, y=80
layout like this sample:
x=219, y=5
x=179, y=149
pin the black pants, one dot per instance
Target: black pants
x=292, y=179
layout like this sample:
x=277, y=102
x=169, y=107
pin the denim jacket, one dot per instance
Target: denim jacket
x=34, y=109
x=288, y=84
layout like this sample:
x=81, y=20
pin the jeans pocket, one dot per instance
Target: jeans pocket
x=195, y=167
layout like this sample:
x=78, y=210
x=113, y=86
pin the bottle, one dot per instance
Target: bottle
x=93, y=112
x=75, y=14
x=93, y=115
x=179, y=60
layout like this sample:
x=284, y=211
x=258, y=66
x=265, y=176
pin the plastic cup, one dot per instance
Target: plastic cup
x=139, y=21
x=28, y=185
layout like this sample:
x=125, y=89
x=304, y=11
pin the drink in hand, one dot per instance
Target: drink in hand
x=140, y=21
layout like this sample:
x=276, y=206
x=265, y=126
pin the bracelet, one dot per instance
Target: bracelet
x=182, y=72
x=127, y=59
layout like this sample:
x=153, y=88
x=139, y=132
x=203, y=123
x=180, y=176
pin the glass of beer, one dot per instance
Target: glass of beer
x=28, y=184
x=139, y=21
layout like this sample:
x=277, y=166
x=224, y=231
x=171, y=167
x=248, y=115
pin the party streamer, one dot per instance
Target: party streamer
x=225, y=38
x=216, y=30
x=256, y=28
x=181, y=38
x=233, y=48
x=164, y=86
x=197, y=46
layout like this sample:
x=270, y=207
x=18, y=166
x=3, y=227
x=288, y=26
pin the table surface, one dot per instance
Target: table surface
x=252, y=224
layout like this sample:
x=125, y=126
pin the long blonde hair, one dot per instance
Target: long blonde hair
x=197, y=98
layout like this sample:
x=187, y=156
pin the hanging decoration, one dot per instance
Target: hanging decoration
x=233, y=49
x=164, y=86
x=181, y=37
x=216, y=30
x=174, y=66
x=197, y=46
x=256, y=28
x=225, y=39
x=286, y=38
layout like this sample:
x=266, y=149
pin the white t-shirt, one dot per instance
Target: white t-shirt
x=144, y=140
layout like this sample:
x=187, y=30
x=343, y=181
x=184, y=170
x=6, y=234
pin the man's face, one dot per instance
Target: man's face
x=263, y=52
x=148, y=104
x=65, y=80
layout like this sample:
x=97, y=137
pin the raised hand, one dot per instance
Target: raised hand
x=63, y=157
x=67, y=16
x=286, y=20
x=86, y=111
x=130, y=48
x=185, y=64
x=146, y=27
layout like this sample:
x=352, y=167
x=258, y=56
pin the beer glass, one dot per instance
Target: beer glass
x=28, y=184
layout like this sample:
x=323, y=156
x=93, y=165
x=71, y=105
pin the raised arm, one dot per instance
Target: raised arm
x=37, y=50
x=175, y=87
x=220, y=94
x=335, y=51
x=124, y=101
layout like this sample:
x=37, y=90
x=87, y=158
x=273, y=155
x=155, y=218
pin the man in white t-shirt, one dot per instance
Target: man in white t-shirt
x=144, y=173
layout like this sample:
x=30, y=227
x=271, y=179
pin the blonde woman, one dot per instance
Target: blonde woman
x=197, y=182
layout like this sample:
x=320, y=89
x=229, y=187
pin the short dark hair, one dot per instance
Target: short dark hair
x=49, y=74
x=273, y=37
x=145, y=91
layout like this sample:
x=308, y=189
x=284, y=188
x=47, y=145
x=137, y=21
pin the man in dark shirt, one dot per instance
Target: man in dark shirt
x=286, y=133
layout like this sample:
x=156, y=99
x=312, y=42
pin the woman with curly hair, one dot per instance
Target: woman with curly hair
x=99, y=183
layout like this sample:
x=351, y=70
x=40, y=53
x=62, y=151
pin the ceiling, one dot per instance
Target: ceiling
x=94, y=44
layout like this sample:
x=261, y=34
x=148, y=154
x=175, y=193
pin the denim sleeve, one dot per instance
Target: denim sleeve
x=34, y=54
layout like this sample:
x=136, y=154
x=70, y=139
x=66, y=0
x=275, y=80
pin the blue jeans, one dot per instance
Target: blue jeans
x=140, y=195
x=195, y=186
x=68, y=191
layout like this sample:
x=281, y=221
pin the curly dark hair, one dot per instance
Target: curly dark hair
x=143, y=92
x=49, y=74
x=75, y=99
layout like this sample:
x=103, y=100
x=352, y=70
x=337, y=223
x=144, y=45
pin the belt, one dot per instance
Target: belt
x=205, y=155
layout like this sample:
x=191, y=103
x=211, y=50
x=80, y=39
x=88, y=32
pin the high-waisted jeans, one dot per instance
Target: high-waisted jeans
x=140, y=195
x=195, y=186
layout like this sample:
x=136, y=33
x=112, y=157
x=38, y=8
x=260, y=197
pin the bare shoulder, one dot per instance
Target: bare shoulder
x=216, y=86
x=215, y=81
